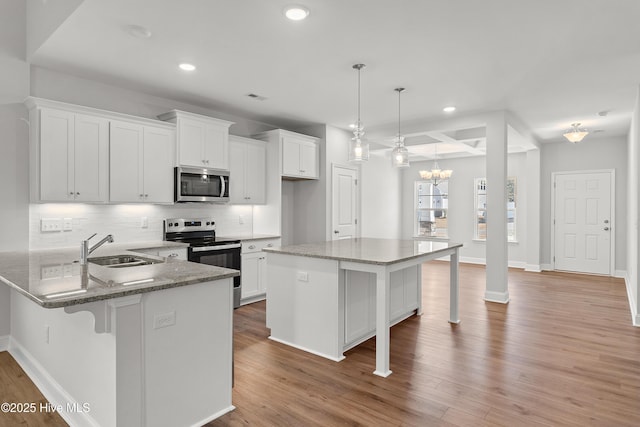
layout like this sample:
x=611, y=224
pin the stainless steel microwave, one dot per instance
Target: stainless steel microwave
x=201, y=185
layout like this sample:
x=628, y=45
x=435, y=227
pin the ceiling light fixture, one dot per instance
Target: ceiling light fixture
x=449, y=109
x=358, y=147
x=575, y=135
x=296, y=12
x=400, y=154
x=436, y=174
x=187, y=67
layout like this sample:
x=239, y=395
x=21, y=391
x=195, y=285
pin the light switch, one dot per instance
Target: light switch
x=144, y=222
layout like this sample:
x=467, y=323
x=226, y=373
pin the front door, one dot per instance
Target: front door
x=344, y=202
x=583, y=222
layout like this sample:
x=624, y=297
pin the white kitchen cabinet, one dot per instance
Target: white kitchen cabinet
x=360, y=302
x=247, y=170
x=73, y=157
x=253, y=266
x=141, y=163
x=201, y=141
x=299, y=157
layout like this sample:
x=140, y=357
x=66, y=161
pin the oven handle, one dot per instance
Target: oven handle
x=216, y=248
x=223, y=185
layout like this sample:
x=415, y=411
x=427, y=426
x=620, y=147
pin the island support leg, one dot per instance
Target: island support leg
x=454, y=289
x=383, y=278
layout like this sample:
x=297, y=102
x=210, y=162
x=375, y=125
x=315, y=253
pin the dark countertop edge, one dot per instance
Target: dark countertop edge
x=60, y=303
x=363, y=261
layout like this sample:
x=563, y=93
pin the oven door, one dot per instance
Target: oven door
x=201, y=185
x=227, y=256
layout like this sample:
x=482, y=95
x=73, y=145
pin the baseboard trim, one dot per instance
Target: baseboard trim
x=546, y=267
x=635, y=316
x=483, y=261
x=534, y=268
x=308, y=350
x=49, y=387
x=499, y=297
x=4, y=343
x=214, y=416
x=620, y=274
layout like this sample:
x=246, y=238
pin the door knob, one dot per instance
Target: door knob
x=335, y=231
x=606, y=221
x=606, y=229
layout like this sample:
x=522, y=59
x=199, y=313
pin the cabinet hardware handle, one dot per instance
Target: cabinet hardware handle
x=335, y=232
x=71, y=193
x=252, y=246
x=142, y=195
x=172, y=255
x=269, y=245
x=146, y=195
x=77, y=194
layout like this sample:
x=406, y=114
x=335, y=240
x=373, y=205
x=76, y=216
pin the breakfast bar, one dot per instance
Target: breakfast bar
x=327, y=297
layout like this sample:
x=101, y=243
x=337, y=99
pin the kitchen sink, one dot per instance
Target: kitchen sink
x=120, y=261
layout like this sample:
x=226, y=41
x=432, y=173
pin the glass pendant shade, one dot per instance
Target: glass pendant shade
x=358, y=147
x=400, y=156
x=575, y=135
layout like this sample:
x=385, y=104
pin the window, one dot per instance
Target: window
x=481, y=209
x=431, y=207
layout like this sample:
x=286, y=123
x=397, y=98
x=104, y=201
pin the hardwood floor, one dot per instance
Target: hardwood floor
x=562, y=352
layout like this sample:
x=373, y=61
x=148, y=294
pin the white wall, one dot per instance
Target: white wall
x=462, y=212
x=381, y=197
x=591, y=154
x=14, y=136
x=633, y=188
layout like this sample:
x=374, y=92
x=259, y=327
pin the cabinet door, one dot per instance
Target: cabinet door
x=56, y=155
x=308, y=159
x=216, y=147
x=359, y=303
x=250, y=276
x=91, y=158
x=192, y=135
x=262, y=273
x=290, y=157
x=256, y=173
x=159, y=146
x=237, y=172
x=125, y=154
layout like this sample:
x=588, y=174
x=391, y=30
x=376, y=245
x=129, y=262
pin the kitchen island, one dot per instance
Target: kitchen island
x=327, y=297
x=149, y=344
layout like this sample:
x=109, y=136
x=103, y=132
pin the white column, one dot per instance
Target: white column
x=532, y=237
x=497, y=251
x=454, y=289
x=383, y=279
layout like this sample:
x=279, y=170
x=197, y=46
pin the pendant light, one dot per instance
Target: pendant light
x=575, y=135
x=436, y=175
x=400, y=154
x=358, y=147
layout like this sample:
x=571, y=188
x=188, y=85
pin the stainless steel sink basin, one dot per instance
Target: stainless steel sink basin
x=120, y=261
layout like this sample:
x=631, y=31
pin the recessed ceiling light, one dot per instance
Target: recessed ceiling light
x=450, y=109
x=296, y=12
x=187, y=67
x=138, y=31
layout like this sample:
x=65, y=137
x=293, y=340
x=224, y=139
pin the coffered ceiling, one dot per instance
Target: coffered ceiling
x=549, y=62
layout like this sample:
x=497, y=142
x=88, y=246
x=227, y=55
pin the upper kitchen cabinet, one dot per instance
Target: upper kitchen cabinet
x=247, y=161
x=202, y=141
x=69, y=155
x=142, y=159
x=299, y=154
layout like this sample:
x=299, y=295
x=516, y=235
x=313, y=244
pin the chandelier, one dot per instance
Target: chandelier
x=575, y=135
x=436, y=175
x=358, y=147
x=400, y=154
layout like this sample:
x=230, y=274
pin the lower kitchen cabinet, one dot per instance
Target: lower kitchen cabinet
x=254, y=269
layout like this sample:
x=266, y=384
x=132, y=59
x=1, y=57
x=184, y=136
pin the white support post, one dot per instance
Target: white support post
x=496, y=249
x=454, y=289
x=383, y=336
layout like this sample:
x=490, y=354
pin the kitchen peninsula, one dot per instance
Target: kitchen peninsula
x=327, y=297
x=113, y=344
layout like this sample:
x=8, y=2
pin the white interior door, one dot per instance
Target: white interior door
x=344, y=184
x=583, y=222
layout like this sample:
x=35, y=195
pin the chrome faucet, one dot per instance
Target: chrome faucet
x=85, y=250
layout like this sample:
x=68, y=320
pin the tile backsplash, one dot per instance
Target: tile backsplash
x=125, y=221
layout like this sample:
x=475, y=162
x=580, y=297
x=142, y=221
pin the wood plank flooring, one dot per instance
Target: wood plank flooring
x=562, y=352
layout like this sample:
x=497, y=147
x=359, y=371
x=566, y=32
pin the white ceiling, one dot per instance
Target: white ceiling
x=549, y=62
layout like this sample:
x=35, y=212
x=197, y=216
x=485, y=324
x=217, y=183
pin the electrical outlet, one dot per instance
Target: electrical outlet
x=50, y=224
x=67, y=224
x=240, y=219
x=51, y=271
x=303, y=276
x=164, y=320
x=144, y=222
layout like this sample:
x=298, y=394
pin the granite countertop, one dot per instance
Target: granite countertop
x=364, y=250
x=54, y=278
x=246, y=237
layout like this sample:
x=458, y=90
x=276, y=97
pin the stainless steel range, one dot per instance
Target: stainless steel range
x=205, y=247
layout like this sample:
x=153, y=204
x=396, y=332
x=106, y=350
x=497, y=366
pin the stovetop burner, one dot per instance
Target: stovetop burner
x=196, y=232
